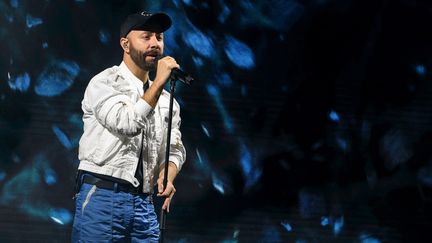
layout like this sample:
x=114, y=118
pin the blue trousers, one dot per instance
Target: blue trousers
x=103, y=215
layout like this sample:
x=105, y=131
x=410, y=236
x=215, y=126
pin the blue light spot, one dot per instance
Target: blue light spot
x=243, y=90
x=205, y=130
x=56, y=77
x=286, y=225
x=247, y=5
x=33, y=21
x=366, y=238
x=203, y=163
x=334, y=116
x=325, y=221
x=284, y=14
x=420, y=70
x=50, y=177
x=9, y=17
x=214, y=92
x=224, y=14
x=104, y=36
x=20, y=83
x=24, y=185
x=177, y=3
x=62, y=137
x=200, y=160
x=338, y=225
x=60, y=216
x=45, y=45
x=172, y=34
x=395, y=148
x=199, y=42
x=187, y=2
x=222, y=241
x=343, y=144
x=250, y=172
x=180, y=100
x=16, y=158
x=14, y=3
x=239, y=53
x=246, y=159
x=225, y=80
x=2, y=175
x=236, y=234
x=198, y=61
x=75, y=119
x=218, y=184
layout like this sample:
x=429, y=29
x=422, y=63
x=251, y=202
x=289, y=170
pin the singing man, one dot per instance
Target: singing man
x=122, y=149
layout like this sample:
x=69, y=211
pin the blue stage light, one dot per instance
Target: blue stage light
x=33, y=21
x=56, y=77
x=239, y=53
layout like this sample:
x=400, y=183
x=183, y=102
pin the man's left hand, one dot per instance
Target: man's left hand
x=168, y=193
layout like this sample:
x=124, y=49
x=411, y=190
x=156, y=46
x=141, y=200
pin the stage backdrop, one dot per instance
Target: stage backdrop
x=308, y=121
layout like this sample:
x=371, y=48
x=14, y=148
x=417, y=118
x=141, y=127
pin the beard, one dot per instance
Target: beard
x=139, y=58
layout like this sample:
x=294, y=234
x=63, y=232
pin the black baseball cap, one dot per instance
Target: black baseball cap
x=157, y=22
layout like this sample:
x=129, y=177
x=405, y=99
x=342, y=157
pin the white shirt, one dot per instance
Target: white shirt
x=115, y=116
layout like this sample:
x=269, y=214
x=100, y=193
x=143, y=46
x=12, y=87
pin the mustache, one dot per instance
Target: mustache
x=155, y=53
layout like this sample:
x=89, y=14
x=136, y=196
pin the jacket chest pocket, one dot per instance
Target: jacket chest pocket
x=107, y=147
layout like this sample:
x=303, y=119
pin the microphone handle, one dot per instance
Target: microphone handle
x=178, y=74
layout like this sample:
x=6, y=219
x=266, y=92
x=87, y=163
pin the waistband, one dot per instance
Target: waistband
x=111, y=185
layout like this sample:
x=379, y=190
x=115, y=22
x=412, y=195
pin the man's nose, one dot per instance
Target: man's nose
x=153, y=41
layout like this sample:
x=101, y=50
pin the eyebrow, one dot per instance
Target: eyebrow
x=151, y=32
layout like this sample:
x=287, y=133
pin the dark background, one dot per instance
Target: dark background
x=309, y=121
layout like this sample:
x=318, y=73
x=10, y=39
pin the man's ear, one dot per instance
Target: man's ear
x=124, y=43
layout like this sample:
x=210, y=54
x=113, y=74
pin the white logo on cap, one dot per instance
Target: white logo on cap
x=146, y=14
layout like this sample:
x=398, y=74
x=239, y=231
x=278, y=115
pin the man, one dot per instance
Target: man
x=123, y=145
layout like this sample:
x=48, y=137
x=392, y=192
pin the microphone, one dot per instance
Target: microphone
x=178, y=74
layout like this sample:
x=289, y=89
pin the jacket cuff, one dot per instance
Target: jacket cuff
x=175, y=159
x=142, y=108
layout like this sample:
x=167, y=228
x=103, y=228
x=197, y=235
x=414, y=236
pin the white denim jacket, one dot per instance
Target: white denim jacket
x=116, y=119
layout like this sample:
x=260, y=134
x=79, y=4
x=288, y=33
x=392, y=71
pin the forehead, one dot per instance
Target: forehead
x=144, y=32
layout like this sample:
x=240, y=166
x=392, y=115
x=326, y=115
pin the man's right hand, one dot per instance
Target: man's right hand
x=163, y=71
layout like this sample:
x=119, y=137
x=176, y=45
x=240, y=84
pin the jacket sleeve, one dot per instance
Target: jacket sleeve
x=114, y=108
x=177, y=149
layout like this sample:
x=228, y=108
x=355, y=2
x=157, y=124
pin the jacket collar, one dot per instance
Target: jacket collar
x=131, y=78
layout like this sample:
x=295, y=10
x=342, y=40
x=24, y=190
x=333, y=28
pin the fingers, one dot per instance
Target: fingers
x=167, y=203
x=160, y=187
x=170, y=62
x=168, y=193
x=164, y=67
